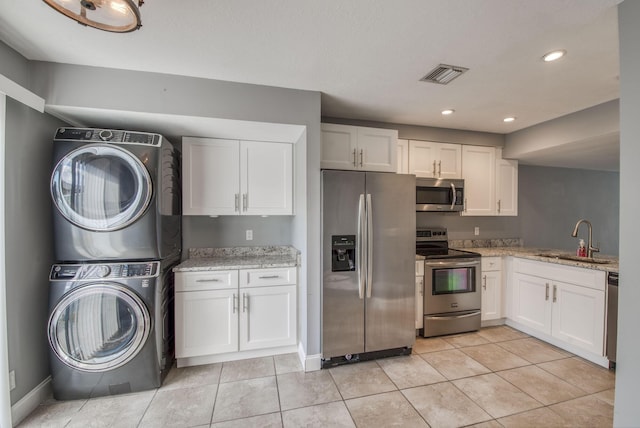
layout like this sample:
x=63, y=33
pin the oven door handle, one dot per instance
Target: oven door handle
x=472, y=314
x=451, y=263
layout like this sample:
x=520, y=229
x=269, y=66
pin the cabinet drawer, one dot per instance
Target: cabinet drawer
x=206, y=280
x=491, y=263
x=419, y=267
x=266, y=277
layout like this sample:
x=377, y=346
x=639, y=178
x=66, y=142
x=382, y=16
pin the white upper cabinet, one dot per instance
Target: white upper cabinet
x=479, y=173
x=435, y=160
x=358, y=148
x=506, y=185
x=403, y=156
x=491, y=183
x=231, y=177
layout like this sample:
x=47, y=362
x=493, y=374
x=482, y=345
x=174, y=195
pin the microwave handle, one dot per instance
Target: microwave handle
x=453, y=189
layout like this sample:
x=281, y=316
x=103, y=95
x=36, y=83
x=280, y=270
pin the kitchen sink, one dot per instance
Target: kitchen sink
x=573, y=258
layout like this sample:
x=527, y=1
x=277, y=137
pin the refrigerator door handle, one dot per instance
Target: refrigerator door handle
x=369, y=240
x=360, y=245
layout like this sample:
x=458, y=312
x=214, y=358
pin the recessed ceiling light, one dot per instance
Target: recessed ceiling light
x=509, y=119
x=554, y=55
x=448, y=111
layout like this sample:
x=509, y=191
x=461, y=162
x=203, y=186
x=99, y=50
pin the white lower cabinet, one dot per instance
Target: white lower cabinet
x=216, y=312
x=491, y=288
x=419, y=294
x=566, y=303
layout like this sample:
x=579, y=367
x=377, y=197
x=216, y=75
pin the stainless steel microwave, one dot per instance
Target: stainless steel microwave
x=439, y=194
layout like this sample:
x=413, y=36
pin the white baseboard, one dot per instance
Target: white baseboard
x=31, y=401
x=310, y=363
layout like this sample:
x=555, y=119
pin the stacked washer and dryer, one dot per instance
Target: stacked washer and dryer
x=117, y=234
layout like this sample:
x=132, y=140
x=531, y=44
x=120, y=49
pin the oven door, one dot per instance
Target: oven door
x=451, y=285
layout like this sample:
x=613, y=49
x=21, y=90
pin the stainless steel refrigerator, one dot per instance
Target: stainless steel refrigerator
x=368, y=238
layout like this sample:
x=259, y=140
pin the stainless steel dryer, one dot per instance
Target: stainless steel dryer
x=109, y=327
x=116, y=196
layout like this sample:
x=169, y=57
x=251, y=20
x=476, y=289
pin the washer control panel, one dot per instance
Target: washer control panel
x=67, y=272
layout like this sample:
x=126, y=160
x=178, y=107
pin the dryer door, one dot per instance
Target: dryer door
x=101, y=187
x=99, y=327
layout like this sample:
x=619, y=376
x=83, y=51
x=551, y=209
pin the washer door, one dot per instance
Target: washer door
x=101, y=187
x=99, y=327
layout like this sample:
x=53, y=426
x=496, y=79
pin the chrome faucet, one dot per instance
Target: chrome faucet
x=590, y=248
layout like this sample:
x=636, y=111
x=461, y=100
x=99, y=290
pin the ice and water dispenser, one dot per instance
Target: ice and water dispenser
x=343, y=253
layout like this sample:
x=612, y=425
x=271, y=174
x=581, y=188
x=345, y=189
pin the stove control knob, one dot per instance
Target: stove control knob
x=103, y=271
x=105, y=135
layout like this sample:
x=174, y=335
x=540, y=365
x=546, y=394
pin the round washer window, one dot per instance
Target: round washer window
x=101, y=187
x=99, y=327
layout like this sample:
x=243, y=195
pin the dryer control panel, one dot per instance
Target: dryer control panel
x=107, y=136
x=67, y=272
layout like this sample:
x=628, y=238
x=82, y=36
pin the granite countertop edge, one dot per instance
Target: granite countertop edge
x=534, y=254
x=209, y=259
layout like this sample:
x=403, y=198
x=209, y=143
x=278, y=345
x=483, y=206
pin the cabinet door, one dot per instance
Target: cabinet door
x=377, y=149
x=578, y=316
x=491, y=295
x=206, y=322
x=449, y=161
x=531, y=304
x=507, y=187
x=338, y=146
x=268, y=317
x=419, y=302
x=266, y=178
x=211, y=176
x=403, y=157
x=422, y=158
x=478, y=171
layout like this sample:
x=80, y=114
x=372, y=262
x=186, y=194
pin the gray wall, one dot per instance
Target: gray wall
x=461, y=227
x=552, y=200
x=28, y=243
x=627, y=411
x=229, y=231
x=14, y=66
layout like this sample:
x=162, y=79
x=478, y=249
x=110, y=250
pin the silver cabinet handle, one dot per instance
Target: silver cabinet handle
x=354, y=158
x=421, y=287
x=499, y=205
x=484, y=282
x=439, y=168
x=546, y=291
x=464, y=207
x=555, y=292
x=208, y=280
x=245, y=201
x=269, y=276
x=434, y=169
x=361, y=156
x=235, y=303
x=245, y=302
x=237, y=202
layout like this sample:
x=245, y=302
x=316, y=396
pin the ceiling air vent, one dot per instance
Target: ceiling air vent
x=443, y=74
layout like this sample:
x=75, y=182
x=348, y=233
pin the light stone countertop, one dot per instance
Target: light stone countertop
x=534, y=254
x=207, y=259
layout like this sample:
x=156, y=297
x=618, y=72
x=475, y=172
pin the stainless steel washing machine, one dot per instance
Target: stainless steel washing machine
x=116, y=196
x=110, y=327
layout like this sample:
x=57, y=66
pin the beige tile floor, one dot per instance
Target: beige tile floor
x=497, y=377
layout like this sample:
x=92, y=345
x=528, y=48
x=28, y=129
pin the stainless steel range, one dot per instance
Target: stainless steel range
x=451, y=285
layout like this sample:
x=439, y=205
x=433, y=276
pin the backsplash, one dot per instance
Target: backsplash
x=485, y=243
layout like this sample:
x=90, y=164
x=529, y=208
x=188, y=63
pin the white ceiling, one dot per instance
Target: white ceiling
x=365, y=56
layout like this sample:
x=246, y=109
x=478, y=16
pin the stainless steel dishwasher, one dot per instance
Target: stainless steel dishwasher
x=612, y=317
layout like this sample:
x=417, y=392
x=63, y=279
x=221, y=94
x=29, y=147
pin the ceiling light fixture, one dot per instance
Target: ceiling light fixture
x=117, y=16
x=554, y=55
x=509, y=119
x=447, y=112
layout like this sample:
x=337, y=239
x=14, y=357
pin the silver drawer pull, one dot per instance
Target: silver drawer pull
x=208, y=280
x=269, y=277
